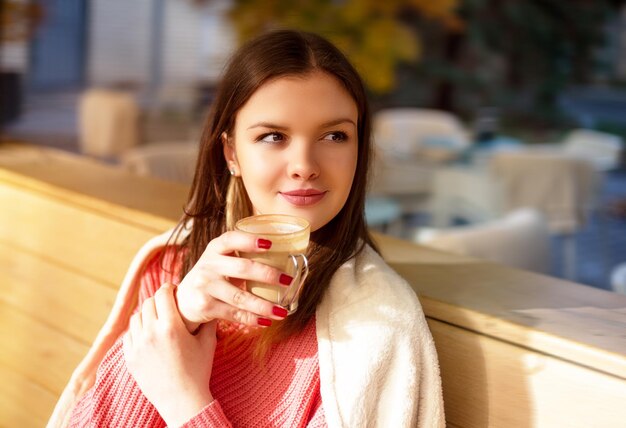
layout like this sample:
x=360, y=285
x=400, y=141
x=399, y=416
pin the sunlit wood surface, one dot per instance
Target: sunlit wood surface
x=573, y=321
x=516, y=349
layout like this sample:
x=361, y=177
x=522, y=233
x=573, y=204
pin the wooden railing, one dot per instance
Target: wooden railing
x=516, y=349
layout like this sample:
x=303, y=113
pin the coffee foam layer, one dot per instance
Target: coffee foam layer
x=273, y=227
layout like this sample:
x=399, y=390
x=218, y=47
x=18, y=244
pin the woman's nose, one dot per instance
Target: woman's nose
x=302, y=162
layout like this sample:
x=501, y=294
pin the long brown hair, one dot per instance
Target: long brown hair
x=273, y=55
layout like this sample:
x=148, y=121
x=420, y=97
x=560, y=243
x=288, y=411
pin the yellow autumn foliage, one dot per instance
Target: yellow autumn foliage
x=367, y=31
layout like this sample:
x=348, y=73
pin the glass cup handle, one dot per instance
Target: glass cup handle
x=301, y=272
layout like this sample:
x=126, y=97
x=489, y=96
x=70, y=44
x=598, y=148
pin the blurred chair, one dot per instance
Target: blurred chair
x=108, y=122
x=520, y=239
x=414, y=133
x=602, y=149
x=562, y=187
x=463, y=194
x=398, y=178
x=175, y=161
x=618, y=278
x=410, y=144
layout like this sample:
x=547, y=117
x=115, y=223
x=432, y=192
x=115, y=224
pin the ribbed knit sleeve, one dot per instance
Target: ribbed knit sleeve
x=115, y=400
x=211, y=416
x=281, y=391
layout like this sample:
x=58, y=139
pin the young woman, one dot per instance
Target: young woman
x=289, y=133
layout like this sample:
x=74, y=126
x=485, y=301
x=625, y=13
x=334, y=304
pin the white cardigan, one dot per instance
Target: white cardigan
x=377, y=360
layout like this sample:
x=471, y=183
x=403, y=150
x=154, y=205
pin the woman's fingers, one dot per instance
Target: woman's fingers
x=233, y=240
x=148, y=312
x=228, y=312
x=206, y=333
x=135, y=326
x=165, y=305
x=238, y=267
x=242, y=300
x=221, y=292
x=210, y=290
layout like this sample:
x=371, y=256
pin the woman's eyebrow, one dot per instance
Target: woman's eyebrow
x=337, y=122
x=267, y=125
x=323, y=125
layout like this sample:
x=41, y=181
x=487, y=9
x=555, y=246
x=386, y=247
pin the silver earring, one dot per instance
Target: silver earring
x=232, y=172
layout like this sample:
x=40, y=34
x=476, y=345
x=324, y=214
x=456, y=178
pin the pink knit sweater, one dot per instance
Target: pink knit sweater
x=281, y=391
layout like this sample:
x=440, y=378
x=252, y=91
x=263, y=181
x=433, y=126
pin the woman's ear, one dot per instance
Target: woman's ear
x=230, y=155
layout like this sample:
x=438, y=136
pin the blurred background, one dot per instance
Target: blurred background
x=499, y=125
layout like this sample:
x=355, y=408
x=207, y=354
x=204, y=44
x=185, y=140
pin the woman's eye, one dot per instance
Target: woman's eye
x=336, y=136
x=273, y=137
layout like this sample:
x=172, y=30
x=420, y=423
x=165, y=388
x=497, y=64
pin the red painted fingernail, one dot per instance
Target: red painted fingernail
x=266, y=244
x=265, y=322
x=285, y=279
x=279, y=312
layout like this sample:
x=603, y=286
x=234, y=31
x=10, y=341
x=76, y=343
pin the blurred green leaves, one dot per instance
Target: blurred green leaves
x=370, y=32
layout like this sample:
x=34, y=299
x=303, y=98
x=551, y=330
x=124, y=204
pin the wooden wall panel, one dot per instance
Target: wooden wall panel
x=23, y=403
x=36, y=351
x=63, y=254
x=62, y=299
x=491, y=383
x=87, y=242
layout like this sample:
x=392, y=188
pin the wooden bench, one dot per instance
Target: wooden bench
x=516, y=349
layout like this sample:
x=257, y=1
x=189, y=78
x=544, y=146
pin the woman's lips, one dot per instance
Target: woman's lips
x=302, y=198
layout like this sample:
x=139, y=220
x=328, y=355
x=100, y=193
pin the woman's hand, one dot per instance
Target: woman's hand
x=171, y=366
x=213, y=287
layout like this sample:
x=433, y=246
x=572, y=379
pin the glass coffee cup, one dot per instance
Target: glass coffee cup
x=290, y=238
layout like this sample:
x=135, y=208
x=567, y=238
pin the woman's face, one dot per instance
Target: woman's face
x=295, y=146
